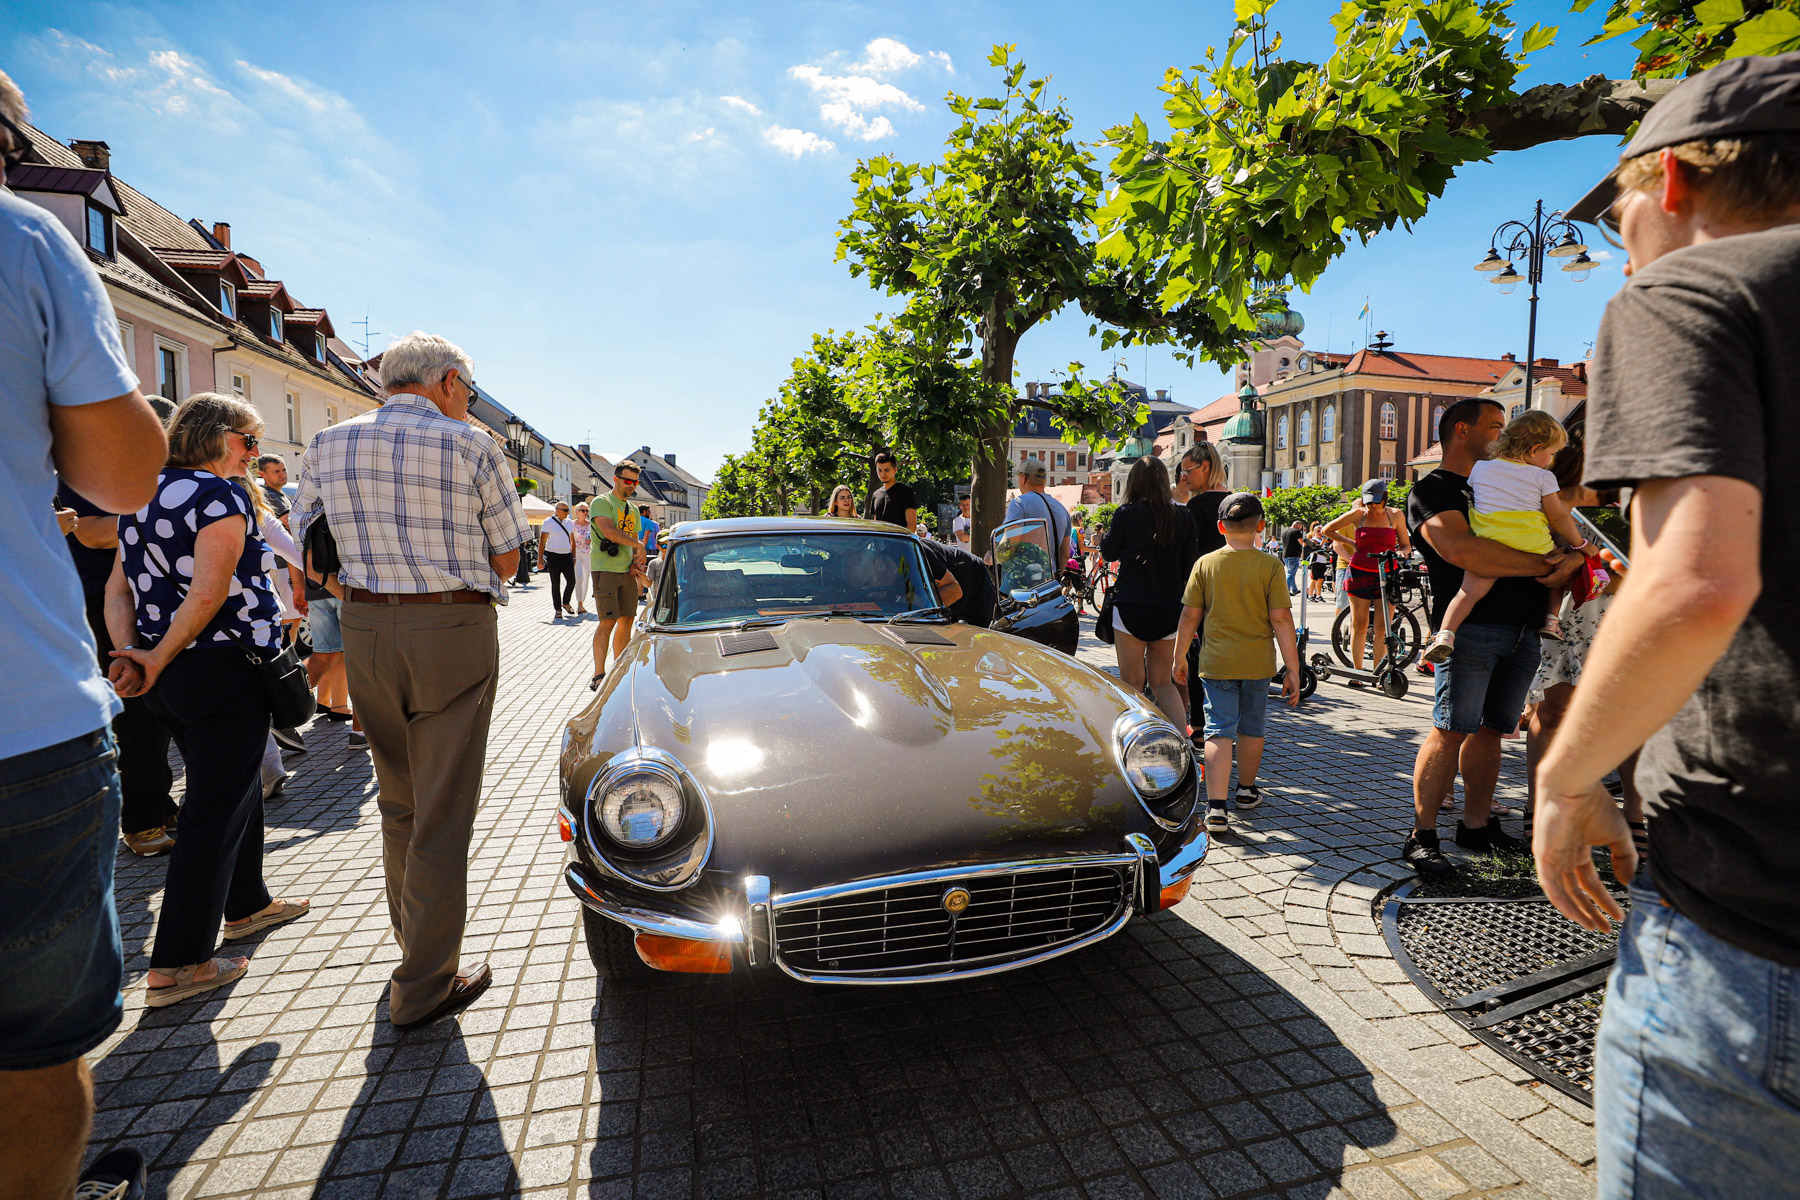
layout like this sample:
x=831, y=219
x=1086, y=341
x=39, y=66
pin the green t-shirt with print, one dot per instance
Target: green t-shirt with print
x=623, y=514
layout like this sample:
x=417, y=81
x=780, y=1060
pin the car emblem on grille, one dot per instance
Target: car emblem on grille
x=954, y=900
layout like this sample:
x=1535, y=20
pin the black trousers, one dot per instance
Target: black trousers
x=213, y=702
x=144, y=775
x=562, y=578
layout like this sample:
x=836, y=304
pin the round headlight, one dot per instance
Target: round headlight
x=641, y=810
x=1155, y=761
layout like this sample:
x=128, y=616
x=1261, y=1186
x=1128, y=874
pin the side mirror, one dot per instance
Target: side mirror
x=1023, y=597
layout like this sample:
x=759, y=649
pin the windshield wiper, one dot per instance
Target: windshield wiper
x=759, y=622
x=935, y=609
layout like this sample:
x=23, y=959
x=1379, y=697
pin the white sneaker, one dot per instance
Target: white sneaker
x=1441, y=646
x=1248, y=796
x=1217, y=820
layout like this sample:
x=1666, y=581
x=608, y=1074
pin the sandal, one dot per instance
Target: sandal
x=278, y=912
x=185, y=985
x=594, y=683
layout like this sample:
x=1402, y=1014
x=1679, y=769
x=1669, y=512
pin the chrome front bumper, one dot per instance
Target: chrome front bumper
x=753, y=927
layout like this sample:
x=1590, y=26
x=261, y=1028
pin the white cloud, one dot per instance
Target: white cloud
x=796, y=143
x=941, y=57
x=741, y=104
x=666, y=140
x=884, y=56
x=845, y=101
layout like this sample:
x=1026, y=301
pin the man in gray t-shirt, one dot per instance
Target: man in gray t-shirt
x=1696, y=406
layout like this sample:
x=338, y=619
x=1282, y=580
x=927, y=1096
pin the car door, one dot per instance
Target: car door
x=1028, y=595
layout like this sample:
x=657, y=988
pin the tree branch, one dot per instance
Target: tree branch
x=1554, y=112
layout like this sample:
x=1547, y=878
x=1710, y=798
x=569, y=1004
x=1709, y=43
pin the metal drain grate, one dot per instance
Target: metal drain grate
x=1495, y=956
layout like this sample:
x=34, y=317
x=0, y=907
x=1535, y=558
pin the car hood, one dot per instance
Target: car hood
x=843, y=752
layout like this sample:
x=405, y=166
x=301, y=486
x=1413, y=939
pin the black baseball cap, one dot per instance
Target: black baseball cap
x=1375, y=491
x=1240, y=506
x=1756, y=94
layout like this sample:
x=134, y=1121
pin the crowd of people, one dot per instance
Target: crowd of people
x=159, y=577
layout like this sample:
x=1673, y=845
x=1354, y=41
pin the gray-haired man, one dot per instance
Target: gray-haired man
x=428, y=526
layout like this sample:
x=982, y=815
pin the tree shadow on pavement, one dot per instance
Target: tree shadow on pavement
x=1155, y=1063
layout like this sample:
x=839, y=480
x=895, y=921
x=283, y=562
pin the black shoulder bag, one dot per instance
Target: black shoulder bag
x=291, y=702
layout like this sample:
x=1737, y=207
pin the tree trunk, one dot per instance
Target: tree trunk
x=987, y=471
x=1556, y=111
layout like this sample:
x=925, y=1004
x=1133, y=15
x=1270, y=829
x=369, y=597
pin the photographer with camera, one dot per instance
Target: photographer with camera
x=617, y=562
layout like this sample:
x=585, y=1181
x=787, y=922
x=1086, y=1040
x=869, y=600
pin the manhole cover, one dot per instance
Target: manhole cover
x=1494, y=955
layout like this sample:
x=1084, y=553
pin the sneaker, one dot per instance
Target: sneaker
x=115, y=1175
x=1552, y=629
x=1248, y=796
x=1490, y=838
x=1217, y=820
x=358, y=738
x=1439, y=649
x=1425, y=859
x=273, y=789
x=150, y=842
x=289, y=741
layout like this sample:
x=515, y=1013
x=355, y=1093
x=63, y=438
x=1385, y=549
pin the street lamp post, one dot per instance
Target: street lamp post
x=1545, y=236
x=515, y=439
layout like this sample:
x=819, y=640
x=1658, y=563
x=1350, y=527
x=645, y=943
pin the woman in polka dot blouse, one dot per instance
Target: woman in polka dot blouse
x=192, y=595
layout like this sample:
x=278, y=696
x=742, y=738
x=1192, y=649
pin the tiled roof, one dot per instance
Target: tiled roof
x=1218, y=410
x=1449, y=368
x=35, y=177
x=210, y=260
x=128, y=275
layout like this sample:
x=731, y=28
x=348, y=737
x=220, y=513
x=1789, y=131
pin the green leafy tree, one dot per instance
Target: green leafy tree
x=1270, y=166
x=1305, y=504
x=988, y=242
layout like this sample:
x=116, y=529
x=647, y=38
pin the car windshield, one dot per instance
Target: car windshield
x=761, y=576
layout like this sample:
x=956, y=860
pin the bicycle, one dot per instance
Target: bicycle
x=1389, y=669
x=1407, y=591
x=1088, y=587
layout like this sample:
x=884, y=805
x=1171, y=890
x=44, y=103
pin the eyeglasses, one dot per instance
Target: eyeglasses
x=1610, y=226
x=250, y=442
x=21, y=145
x=631, y=479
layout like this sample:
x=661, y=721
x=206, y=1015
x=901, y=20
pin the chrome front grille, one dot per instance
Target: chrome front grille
x=905, y=929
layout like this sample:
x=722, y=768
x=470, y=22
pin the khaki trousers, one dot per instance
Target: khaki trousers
x=422, y=679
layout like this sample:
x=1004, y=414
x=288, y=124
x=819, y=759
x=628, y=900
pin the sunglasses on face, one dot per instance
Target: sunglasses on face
x=20, y=144
x=250, y=442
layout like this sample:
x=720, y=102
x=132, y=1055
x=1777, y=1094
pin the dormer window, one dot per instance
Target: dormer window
x=275, y=323
x=228, y=300
x=319, y=346
x=99, y=230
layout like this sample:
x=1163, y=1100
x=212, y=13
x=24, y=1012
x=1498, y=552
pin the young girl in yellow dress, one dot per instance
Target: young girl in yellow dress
x=1516, y=503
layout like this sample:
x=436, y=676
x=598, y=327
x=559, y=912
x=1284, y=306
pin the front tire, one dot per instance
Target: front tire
x=1407, y=631
x=613, y=948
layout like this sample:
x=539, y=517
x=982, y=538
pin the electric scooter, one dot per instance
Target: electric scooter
x=1389, y=674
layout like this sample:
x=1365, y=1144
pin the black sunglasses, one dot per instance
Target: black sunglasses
x=250, y=442
x=21, y=145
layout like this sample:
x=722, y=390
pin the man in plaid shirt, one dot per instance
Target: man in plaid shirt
x=428, y=528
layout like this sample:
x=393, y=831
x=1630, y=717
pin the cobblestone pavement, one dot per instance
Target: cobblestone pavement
x=1254, y=1041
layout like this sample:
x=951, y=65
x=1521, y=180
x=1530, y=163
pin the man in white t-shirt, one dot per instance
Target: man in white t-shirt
x=1034, y=504
x=556, y=554
x=960, y=526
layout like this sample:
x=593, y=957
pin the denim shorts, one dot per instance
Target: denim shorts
x=1486, y=681
x=61, y=992
x=322, y=625
x=1236, y=708
x=1697, y=1090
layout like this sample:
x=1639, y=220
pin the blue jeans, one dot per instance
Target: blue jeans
x=322, y=624
x=61, y=990
x=1293, y=573
x=1236, y=708
x=1698, y=1065
x=1486, y=681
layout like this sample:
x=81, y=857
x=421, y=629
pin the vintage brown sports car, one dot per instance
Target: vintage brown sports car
x=801, y=764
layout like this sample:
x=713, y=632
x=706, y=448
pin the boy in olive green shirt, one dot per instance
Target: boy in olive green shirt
x=1243, y=596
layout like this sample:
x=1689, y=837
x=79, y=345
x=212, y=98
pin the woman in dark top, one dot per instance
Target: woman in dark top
x=1153, y=542
x=1203, y=467
x=191, y=597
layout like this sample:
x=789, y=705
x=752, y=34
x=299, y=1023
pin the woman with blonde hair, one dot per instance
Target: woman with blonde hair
x=191, y=599
x=584, y=547
x=842, y=502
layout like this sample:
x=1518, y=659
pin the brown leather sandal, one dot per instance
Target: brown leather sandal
x=149, y=843
x=278, y=912
x=186, y=985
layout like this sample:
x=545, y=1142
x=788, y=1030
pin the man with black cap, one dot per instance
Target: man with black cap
x=1696, y=407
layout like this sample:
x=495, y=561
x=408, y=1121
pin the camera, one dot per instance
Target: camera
x=609, y=548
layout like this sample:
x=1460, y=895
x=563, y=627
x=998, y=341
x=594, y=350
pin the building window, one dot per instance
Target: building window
x=1306, y=427
x=1081, y=459
x=275, y=323
x=293, y=418
x=331, y=414
x=1386, y=471
x=240, y=385
x=168, y=374
x=1328, y=425
x=1281, y=432
x=1437, y=420
x=1516, y=410
x=319, y=346
x=227, y=299
x=99, y=230
x=1390, y=420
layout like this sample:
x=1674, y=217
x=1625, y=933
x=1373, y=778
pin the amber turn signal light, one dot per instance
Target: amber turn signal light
x=1176, y=892
x=563, y=829
x=684, y=954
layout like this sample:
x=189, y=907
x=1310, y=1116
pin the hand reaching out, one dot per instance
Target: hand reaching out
x=1569, y=826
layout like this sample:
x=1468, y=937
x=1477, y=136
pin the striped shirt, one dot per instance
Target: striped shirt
x=417, y=501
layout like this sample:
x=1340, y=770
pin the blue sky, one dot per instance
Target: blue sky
x=626, y=213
